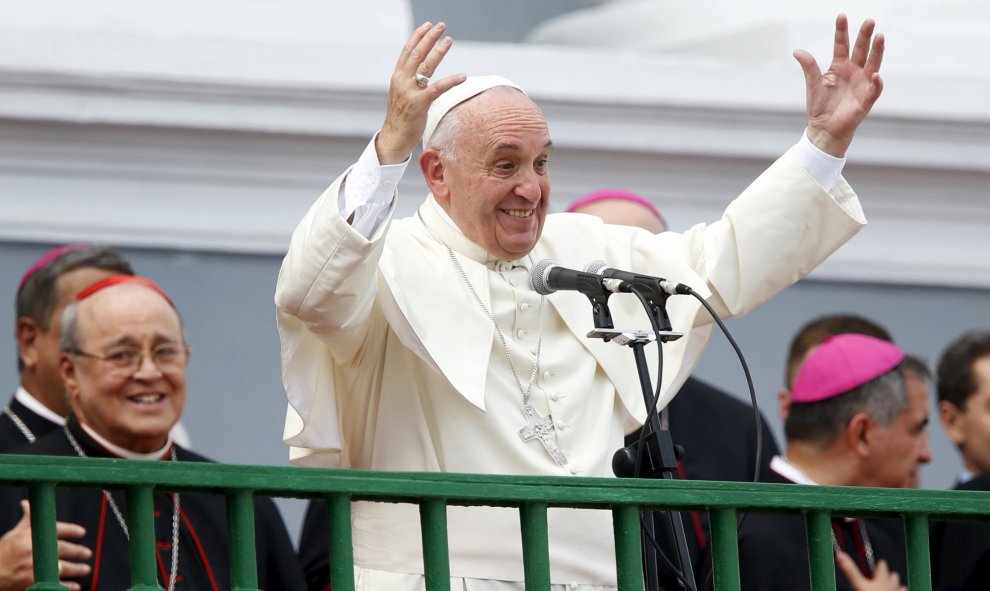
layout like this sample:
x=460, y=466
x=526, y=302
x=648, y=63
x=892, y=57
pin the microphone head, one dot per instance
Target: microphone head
x=538, y=277
x=595, y=267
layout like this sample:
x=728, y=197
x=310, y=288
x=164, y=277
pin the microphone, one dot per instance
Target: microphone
x=547, y=277
x=623, y=281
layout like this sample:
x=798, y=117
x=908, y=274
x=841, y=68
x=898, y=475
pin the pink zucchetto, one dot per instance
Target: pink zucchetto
x=47, y=258
x=616, y=195
x=473, y=86
x=841, y=363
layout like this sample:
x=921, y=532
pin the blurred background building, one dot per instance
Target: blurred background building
x=194, y=134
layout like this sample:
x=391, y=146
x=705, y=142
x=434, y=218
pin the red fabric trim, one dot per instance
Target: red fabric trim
x=162, y=573
x=99, y=543
x=161, y=546
x=695, y=520
x=860, y=554
x=199, y=549
x=861, y=548
x=115, y=279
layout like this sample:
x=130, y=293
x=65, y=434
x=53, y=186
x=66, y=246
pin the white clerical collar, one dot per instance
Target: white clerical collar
x=444, y=227
x=126, y=453
x=789, y=471
x=35, y=406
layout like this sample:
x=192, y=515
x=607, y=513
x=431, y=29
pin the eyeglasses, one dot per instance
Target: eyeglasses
x=126, y=360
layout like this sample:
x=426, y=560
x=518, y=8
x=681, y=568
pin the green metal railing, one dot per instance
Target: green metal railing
x=434, y=492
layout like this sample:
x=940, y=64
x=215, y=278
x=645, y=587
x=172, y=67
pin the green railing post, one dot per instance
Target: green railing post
x=341, y=546
x=535, y=545
x=725, y=550
x=628, y=548
x=436, y=561
x=240, y=525
x=919, y=562
x=820, y=555
x=141, y=529
x=43, y=537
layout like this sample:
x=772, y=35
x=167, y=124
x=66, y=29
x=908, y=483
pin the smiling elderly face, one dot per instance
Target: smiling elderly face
x=133, y=409
x=497, y=188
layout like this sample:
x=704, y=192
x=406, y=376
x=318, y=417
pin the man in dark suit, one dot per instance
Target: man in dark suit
x=123, y=361
x=39, y=405
x=961, y=550
x=858, y=417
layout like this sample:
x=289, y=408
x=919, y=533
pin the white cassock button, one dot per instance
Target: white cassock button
x=554, y=395
x=547, y=374
x=520, y=333
x=561, y=425
x=524, y=306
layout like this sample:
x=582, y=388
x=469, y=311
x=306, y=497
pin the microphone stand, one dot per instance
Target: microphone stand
x=658, y=459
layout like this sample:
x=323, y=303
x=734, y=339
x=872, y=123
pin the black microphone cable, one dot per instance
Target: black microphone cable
x=757, y=418
x=647, y=428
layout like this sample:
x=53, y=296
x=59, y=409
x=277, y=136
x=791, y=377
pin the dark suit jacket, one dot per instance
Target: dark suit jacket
x=773, y=548
x=960, y=550
x=10, y=435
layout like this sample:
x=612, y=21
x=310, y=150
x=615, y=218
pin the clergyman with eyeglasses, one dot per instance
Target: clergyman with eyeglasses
x=124, y=358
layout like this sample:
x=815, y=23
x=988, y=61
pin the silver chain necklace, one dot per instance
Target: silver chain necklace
x=31, y=438
x=867, y=546
x=537, y=427
x=120, y=517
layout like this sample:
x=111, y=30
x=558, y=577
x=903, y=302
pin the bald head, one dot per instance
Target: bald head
x=624, y=213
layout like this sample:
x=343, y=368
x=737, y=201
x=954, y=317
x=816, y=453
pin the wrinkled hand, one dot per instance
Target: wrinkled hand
x=408, y=102
x=840, y=99
x=883, y=578
x=17, y=565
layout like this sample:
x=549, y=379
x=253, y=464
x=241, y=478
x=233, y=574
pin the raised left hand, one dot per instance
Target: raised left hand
x=840, y=99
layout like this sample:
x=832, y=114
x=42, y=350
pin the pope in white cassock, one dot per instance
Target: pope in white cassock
x=387, y=370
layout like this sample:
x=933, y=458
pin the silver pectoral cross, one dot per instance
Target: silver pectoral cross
x=541, y=428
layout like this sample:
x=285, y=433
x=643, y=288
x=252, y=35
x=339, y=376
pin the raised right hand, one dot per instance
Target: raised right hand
x=16, y=559
x=408, y=102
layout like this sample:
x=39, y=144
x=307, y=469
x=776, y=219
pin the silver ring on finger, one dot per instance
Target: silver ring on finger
x=61, y=568
x=421, y=80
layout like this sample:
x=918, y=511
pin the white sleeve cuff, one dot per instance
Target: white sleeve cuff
x=823, y=167
x=368, y=190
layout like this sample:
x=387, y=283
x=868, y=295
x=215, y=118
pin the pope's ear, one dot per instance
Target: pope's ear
x=434, y=173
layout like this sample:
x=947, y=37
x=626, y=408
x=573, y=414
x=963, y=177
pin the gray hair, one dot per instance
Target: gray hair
x=444, y=139
x=882, y=398
x=448, y=130
x=68, y=339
